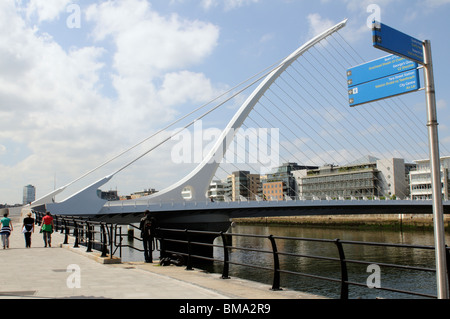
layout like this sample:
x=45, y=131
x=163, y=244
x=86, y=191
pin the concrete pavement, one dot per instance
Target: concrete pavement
x=66, y=272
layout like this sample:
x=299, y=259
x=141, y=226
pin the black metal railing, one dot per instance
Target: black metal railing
x=101, y=236
x=343, y=262
x=92, y=234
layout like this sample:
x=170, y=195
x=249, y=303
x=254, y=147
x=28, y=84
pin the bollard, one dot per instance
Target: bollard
x=344, y=272
x=130, y=233
x=226, y=258
x=189, y=261
x=276, y=265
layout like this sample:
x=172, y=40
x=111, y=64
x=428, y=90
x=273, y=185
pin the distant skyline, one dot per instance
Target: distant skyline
x=82, y=80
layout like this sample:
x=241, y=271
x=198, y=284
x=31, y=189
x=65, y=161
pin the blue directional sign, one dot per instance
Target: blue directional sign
x=393, y=85
x=393, y=41
x=378, y=69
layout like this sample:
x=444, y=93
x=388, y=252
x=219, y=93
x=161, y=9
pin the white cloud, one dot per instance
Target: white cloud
x=46, y=10
x=317, y=24
x=151, y=51
x=51, y=99
x=227, y=4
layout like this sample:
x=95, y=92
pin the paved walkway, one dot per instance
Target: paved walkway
x=65, y=272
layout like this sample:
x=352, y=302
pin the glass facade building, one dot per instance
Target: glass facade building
x=29, y=194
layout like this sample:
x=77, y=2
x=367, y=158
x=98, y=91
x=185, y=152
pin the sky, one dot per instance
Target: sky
x=81, y=81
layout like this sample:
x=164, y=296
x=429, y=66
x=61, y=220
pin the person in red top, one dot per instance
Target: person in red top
x=47, y=229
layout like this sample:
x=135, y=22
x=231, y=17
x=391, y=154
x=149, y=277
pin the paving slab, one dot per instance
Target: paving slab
x=62, y=271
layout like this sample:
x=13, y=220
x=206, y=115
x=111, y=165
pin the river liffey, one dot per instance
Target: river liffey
x=409, y=280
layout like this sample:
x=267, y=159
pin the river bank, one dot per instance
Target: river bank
x=393, y=221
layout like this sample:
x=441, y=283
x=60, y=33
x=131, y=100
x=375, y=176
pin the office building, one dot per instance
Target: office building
x=29, y=194
x=368, y=178
x=420, y=179
x=216, y=191
x=242, y=185
x=281, y=183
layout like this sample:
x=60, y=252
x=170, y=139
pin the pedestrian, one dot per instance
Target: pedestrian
x=28, y=229
x=147, y=234
x=6, y=229
x=47, y=229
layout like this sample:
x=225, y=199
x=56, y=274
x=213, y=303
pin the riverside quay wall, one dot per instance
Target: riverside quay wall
x=392, y=221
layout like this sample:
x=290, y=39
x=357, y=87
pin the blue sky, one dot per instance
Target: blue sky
x=82, y=80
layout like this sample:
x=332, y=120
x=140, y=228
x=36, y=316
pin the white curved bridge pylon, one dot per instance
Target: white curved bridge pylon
x=197, y=182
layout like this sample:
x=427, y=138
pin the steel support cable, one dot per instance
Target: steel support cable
x=335, y=68
x=279, y=67
x=264, y=73
x=315, y=99
x=250, y=191
x=287, y=139
x=275, y=105
x=293, y=156
x=311, y=137
x=406, y=114
x=376, y=110
x=294, y=90
x=267, y=109
x=259, y=163
x=287, y=150
x=316, y=111
x=282, y=122
x=285, y=160
x=387, y=140
x=351, y=114
x=402, y=118
x=369, y=151
x=197, y=119
x=240, y=185
x=290, y=119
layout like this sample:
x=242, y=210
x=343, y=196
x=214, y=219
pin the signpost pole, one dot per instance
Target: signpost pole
x=438, y=210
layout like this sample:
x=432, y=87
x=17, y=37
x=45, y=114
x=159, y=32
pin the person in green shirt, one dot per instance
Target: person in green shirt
x=47, y=229
x=6, y=230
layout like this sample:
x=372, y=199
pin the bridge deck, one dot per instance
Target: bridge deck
x=41, y=273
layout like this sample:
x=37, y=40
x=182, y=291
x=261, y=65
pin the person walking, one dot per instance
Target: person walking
x=6, y=229
x=47, y=229
x=147, y=234
x=28, y=229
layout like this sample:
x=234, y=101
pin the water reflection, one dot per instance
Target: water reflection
x=418, y=281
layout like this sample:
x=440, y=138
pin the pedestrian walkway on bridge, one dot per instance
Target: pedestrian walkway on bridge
x=66, y=272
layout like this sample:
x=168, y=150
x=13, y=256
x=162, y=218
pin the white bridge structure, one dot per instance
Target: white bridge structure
x=197, y=208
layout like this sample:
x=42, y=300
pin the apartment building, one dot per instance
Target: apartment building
x=420, y=179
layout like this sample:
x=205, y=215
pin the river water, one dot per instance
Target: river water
x=410, y=280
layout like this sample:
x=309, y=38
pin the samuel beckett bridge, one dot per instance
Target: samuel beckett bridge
x=296, y=110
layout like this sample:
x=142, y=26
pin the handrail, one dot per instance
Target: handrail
x=84, y=231
x=108, y=237
x=342, y=260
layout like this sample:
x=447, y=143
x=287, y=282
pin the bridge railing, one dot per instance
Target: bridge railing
x=101, y=236
x=92, y=234
x=341, y=260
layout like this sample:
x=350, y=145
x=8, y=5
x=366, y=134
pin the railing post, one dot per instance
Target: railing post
x=189, y=261
x=344, y=272
x=76, y=232
x=276, y=265
x=162, y=245
x=447, y=255
x=56, y=223
x=111, y=247
x=226, y=265
x=89, y=237
x=104, y=243
x=66, y=231
x=120, y=240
